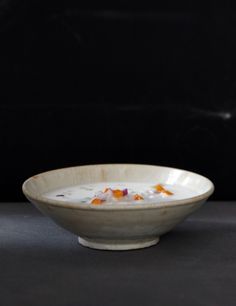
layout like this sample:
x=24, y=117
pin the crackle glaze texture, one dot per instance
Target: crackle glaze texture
x=117, y=226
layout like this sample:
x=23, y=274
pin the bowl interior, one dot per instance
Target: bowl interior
x=39, y=184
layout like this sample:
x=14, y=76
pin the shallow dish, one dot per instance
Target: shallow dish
x=120, y=226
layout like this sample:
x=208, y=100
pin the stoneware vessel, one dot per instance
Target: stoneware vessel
x=120, y=226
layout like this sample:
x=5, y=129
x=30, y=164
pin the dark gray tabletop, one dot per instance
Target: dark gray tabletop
x=42, y=264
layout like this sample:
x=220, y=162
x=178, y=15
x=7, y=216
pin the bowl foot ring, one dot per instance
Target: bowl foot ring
x=118, y=245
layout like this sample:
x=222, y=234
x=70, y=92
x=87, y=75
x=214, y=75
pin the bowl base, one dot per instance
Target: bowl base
x=118, y=245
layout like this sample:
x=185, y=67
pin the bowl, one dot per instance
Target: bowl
x=121, y=226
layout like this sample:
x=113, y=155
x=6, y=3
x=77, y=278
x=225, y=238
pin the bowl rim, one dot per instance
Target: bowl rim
x=111, y=207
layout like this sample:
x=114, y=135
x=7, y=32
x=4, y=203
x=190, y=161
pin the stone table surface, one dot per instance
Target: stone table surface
x=42, y=264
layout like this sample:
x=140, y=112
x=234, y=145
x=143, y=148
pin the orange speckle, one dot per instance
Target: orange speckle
x=117, y=193
x=160, y=188
x=138, y=197
x=167, y=192
x=96, y=201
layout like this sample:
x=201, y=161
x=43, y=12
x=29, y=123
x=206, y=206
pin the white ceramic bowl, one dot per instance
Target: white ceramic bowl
x=119, y=226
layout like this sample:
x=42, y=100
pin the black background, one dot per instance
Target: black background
x=117, y=82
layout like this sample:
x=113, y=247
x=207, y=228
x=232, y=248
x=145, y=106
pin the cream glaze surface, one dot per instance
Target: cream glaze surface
x=119, y=226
